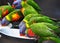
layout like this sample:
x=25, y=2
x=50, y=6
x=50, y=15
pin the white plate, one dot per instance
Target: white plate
x=12, y=32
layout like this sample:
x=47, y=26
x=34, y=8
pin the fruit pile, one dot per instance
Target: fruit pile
x=33, y=23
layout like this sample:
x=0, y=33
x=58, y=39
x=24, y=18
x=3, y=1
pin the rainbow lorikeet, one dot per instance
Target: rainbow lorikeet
x=23, y=24
x=12, y=17
x=17, y=4
x=30, y=18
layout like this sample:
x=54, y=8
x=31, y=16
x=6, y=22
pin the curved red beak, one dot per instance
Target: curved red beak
x=13, y=6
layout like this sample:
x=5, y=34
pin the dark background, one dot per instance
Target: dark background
x=4, y=2
x=50, y=8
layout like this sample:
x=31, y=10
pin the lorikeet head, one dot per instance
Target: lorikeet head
x=16, y=4
x=13, y=6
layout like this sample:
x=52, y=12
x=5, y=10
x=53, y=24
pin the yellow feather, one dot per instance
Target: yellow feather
x=8, y=18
